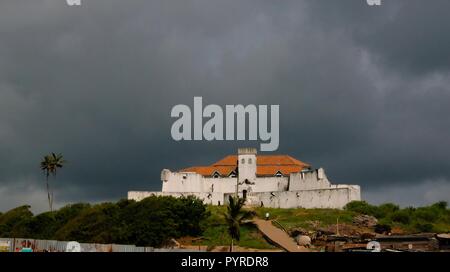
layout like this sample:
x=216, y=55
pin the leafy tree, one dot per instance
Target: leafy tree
x=441, y=205
x=93, y=225
x=12, y=222
x=152, y=221
x=190, y=211
x=45, y=225
x=69, y=212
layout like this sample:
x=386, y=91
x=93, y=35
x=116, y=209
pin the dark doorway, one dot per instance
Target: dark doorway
x=244, y=194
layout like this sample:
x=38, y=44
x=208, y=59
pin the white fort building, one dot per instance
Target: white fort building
x=277, y=181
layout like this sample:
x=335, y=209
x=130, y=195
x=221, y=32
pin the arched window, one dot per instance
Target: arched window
x=250, y=161
x=243, y=161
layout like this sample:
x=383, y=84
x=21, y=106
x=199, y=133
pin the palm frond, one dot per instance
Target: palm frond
x=235, y=215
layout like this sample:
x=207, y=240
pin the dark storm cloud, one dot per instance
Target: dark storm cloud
x=360, y=92
x=405, y=35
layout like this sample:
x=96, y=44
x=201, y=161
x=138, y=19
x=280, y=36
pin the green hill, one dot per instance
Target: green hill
x=153, y=221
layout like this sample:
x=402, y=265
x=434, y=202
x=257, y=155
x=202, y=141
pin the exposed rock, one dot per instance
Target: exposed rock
x=303, y=240
x=315, y=224
x=365, y=221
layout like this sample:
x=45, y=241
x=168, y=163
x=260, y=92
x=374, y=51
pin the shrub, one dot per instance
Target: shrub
x=441, y=205
x=427, y=214
x=386, y=209
x=362, y=207
x=424, y=227
x=402, y=216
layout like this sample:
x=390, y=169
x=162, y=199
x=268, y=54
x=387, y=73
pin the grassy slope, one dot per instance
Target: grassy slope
x=216, y=230
x=307, y=219
x=216, y=233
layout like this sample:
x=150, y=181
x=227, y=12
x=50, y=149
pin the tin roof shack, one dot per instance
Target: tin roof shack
x=414, y=242
x=393, y=243
x=337, y=243
x=444, y=241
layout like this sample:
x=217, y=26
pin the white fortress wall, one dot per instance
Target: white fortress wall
x=355, y=193
x=181, y=182
x=315, y=179
x=335, y=198
x=269, y=184
x=223, y=185
x=193, y=182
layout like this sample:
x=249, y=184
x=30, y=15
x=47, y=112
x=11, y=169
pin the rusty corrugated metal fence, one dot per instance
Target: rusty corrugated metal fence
x=34, y=245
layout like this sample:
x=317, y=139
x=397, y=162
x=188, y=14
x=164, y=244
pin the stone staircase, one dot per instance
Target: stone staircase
x=278, y=236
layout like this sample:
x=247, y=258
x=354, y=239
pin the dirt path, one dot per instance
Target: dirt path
x=278, y=236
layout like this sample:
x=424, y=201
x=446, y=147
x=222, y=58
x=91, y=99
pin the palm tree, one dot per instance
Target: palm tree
x=49, y=165
x=235, y=216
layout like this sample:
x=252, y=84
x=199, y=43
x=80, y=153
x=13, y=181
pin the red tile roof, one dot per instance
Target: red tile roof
x=266, y=165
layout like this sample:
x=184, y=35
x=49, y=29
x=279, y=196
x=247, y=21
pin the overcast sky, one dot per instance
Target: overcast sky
x=363, y=91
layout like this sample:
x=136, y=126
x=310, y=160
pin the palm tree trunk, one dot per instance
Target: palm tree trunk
x=51, y=199
x=48, y=193
x=51, y=193
x=231, y=246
